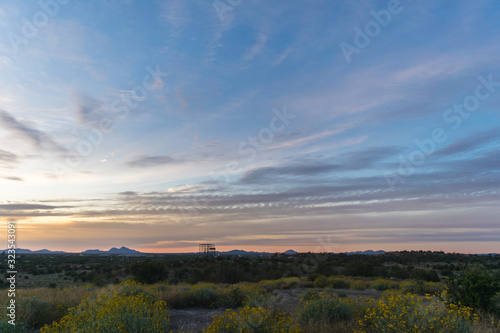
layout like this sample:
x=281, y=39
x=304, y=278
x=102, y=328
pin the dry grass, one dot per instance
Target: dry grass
x=488, y=323
x=67, y=297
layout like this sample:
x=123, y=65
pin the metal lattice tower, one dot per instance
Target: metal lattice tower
x=207, y=250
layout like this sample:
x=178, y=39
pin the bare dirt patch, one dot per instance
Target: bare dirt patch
x=194, y=320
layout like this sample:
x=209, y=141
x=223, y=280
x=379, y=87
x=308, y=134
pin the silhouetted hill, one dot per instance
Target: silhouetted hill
x=113, y=250
x=44, y=251
x=367, y=252
x=243, y=253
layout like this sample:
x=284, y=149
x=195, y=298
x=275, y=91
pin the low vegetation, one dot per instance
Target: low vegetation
x=466, y=301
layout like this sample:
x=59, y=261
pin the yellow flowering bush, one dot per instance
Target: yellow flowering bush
x=394, y=285
x=270, y=285
x=380, y=284
x=358, y=285
x=130, y=288
x=321, y=281
x=283, y=283
x=338, y=283
x=114, y=312
x=432, y=288
x=252, y=320
x=412, y=313
x=411, y=287
x=291, y=282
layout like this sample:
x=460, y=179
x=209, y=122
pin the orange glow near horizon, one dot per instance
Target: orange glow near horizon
x=449, y=248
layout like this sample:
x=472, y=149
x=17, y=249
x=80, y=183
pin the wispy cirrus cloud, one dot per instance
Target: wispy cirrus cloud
x=88, y=110
x=151, y=161
x=256, y=48
x=13, y=178
x=283, y=56
x=38, y=138
x=7, y=157
x=470, y=143
x=176, y=13
x=305, y=168
x=24, y=206
x=298, y=142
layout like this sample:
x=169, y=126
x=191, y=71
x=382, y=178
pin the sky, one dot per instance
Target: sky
x=321, y=126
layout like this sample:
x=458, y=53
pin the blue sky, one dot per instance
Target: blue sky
x=163, y=124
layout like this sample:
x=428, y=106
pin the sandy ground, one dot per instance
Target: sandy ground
x=192, y=320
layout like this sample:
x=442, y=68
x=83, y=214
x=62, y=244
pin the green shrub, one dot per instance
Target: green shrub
x=255, y=300
x=325, y=310
x=231, y=297
x=390, y=292
x=18, y=328
x=309, y=295
x=496, y=301
x=411, y=287
x=338, y=283
x=432, y=288
x=148, y=271
x=203, y=295
x=394, y=285
x=270, y=285
x=283, y=283
x=321, y=281
x=475, y=288
x=358, y=285
x=229, y=272
x=236, y=296
x=33, y=312
x=291, y=282
x=380, y=284
x=176, y=297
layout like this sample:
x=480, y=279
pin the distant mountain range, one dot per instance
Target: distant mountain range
x=126, y=251
x=367, y=252
x=44, y=251
x=123, y=250
x=244, y=253
x=113, y=250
